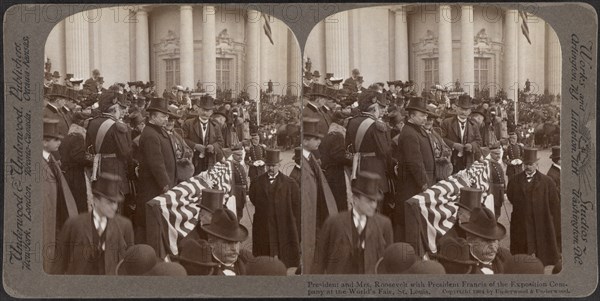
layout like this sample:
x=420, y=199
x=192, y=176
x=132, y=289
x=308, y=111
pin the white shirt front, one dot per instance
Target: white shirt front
x=100, y=224
x=46, y=155
x=306, y=154
x=360, y=221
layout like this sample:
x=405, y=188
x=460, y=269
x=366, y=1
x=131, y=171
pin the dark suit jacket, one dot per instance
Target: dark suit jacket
x=554, y=174
x=280, y=203
x=416, y=166
x=335, y=245
x=157, y=168
x=75, y=245
x=451, y=135
x=193, y=135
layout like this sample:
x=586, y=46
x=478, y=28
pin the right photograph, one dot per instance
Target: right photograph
x=431, y=142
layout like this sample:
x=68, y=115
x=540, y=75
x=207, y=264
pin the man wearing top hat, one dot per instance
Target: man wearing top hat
x=535, y=220
x=513, y=156
x=58, y=201
x=318, y=201
x=109, y=139
x=56, y=99
x=462, y=135
x=225, y=235
x=352, y=241
x=93, y=243
x=554, y=171
x=296, y=173
x=482, y=235
x=416, y=165
x=315, y=101
x=203, y=134
x=157, y=170
x=211, y=200
x=368, y=139
x=276, y=222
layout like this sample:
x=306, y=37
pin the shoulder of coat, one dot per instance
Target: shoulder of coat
x=121, y=127
x=381, y=126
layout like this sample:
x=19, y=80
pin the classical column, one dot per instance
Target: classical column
x=511, y=25
x=467, y=68
x=337, y=55
x=95, y=54
x=142, y=45
x=553, y=62
x=252, y=74
x=77, y=46
x=186, y=46
x=293, y=72
x=401, y=41
x=445, y=46
x=209, y=46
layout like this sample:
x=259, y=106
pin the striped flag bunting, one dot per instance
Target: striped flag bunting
x=267, y=28
x=524, y=26
x=432, y=213
x=176, y=211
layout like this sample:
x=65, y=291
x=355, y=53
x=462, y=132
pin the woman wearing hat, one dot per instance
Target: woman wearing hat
x=535, y=226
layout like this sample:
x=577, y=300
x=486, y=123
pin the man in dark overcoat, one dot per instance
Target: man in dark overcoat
x=416, y=167
x=203, y=134
x=462, y=135
x=535, y=220
x=93, y=243
x=334, y=160
x=158, y=169
x=554, y=171
x=313, y=107
x=276, y=198
x=351, y=242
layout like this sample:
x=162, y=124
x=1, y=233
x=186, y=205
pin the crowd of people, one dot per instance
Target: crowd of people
x=367, y=150
x=109, y=151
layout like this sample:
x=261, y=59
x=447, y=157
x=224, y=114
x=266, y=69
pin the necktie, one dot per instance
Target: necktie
x=271, y=179
x=228, y=270
x=529, y=178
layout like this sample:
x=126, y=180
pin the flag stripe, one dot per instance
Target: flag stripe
x=267, y=29
x=437, y=204
x=177, y=209
x=524, y=26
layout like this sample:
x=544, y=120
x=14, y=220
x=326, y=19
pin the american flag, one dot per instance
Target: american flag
x=267, y=28
x=175, y=212
x=524, y=26
x=433, y=212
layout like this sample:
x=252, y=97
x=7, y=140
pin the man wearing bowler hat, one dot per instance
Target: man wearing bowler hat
x=203, y=134
x=482, y=235
x=225, y=235
x=318, y=201
x=535, y=221
x=554, y=171
x=103, y=232
x=352, y=242
x=158, y=169
x=455, y=255
x=416, y=165
x=461, y=134
x=276, y=199
x=58, y=201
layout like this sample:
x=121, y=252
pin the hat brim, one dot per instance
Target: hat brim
x=158, y=110
x=272, y=162
x=202, y=264
x=409, y=108
x=376, y=196
x=57, y=136
x=379, y=269
x=465, y=106
x=322, y=95
x=465, y=262
x=531, y=162
x=119, y=198
x=239, y=235
x=498, y=233
x=309, y=134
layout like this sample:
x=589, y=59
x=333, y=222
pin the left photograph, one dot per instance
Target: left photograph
x=171, y=139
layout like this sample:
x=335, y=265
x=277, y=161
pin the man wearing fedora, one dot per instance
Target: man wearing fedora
x=157, y=170
x=103, y=232
x=225, y=235
x=482, y=235
x=352, y=242
x=203, y=134
x=58, y=201
x=461, y=134
x=276, y=199
x=416, y=164
x=554, y=171
x=109, y=139
x=535, y=223
x=318, y=201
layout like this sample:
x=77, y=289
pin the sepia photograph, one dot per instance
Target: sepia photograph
x=431, y=142
x=169, y=141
